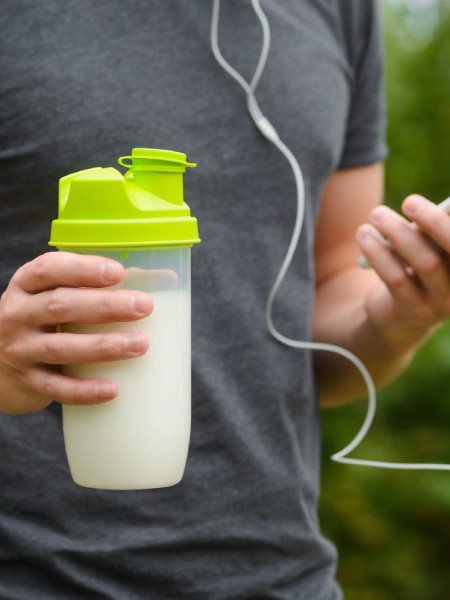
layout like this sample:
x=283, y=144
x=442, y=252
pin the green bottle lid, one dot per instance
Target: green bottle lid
x=101, y=208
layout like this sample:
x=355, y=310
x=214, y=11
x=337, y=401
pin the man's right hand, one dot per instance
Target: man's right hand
x=52, y=290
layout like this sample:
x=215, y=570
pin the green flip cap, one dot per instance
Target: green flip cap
x=101, y=208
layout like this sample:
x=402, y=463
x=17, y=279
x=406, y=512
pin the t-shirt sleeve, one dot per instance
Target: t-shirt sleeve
x=365, y=140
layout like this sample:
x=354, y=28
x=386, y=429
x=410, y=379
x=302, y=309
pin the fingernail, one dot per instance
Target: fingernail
x=141, y=303
x=135, y=342
x=105, y=391
x=111, y=271
x=366, y=232
x=379, y=214
x=412, y=204
x=362, y=234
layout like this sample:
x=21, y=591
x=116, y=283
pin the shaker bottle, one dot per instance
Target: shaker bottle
x=140, y=439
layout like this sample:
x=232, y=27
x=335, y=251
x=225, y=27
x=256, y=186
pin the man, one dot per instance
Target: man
x=82, y=87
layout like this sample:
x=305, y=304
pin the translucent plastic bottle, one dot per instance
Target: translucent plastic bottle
x=140, y=439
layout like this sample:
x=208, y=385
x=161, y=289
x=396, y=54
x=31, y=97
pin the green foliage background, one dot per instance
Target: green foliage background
x=392, y=528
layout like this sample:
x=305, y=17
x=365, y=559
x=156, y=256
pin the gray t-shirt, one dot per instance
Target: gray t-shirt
x=83, y=82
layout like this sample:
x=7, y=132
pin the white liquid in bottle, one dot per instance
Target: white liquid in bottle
x=140, y=439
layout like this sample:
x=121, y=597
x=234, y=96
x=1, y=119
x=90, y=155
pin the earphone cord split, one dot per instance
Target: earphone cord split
x=268, y=131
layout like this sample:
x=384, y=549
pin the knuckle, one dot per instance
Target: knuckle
x=51, y=350
x=41, y=266
x=10, y=312
x=41, y=382
x=81, y=392
x=13, y=358
x=57, y=305
x=48, y=388
x=429, y=264
x=111, y=346
x=6, y=295
x=116, y=304
x=397, y=279
x=78, y=394
x=108, y=346
x=12, y=350
x=20, y=273
x=121, y=343
x=107, y=304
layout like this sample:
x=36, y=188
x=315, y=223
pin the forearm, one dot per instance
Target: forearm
x=341, y=318
x=382, y=315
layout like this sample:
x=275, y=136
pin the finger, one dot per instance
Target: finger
x=415, y=249
x=66, y=269
x=390, y=270
x=77, y=349
x=69, y=390
x=429, y=218
x=74, y=305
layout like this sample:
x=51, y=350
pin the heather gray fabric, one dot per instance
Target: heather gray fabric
x=84, y=81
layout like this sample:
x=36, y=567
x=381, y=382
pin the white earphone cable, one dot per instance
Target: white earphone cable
x=268, y=131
